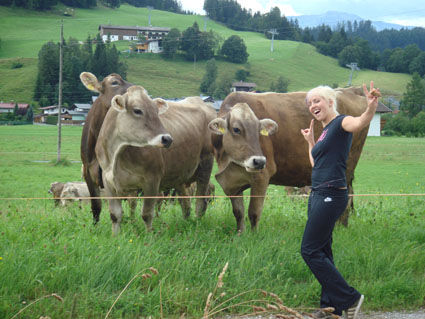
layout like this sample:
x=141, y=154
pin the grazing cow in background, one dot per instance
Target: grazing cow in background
x=191, y=191
x=297, y=191
x=111, y=85
x=73, y=190
x=247, y=159
x=56, y=190
x=67, y=192
x=142, y=147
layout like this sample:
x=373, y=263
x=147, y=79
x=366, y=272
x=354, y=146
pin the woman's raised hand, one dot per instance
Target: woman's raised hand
x=308, y=133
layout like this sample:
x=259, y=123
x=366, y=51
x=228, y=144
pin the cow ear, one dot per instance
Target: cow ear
x=268, y=127
x=90, y=82
x=218, y=126
x=118, y=103
x=162, y=105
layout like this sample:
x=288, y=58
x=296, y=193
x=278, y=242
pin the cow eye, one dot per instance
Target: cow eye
x=138, y=111
x=236, y=130
x=115, y=83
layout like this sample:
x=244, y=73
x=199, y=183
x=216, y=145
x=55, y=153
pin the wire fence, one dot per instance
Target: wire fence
x=200, y=196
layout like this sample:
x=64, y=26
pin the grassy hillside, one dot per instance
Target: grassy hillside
x=24, y=32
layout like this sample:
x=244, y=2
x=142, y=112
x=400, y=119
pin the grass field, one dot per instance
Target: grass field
x=23, y=33
x=45, y=250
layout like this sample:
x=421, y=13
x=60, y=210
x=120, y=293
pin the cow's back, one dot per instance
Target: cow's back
x=187, y=122
x=91, y=130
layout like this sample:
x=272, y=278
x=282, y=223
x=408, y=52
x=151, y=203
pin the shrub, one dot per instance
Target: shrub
x=17, y=65
x=280, y=86
x=241, y=75
x=234, y=50
x=53, y=120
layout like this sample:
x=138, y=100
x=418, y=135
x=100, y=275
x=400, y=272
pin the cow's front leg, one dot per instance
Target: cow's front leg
x=258, y=193
x=132, y=203
x=238, y=211
x=184, y=200
x=115, y=210
x=149, y=203
x=202, y=184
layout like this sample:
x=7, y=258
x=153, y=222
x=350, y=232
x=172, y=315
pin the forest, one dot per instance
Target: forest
x=400, y=51
x=166, y=5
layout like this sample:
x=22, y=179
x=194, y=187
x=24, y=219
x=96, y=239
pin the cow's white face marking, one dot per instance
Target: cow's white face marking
x=255, y=163
x=158, y=141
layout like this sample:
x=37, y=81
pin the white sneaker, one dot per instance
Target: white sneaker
x=353, y=312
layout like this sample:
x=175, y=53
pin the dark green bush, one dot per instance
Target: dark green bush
x=17, y=65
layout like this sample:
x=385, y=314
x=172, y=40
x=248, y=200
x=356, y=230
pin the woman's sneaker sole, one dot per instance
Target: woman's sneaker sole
x=353, y=312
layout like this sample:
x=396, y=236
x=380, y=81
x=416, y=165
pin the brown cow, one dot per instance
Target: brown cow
x=130, y=154
x=111, y=85
x=285, y=153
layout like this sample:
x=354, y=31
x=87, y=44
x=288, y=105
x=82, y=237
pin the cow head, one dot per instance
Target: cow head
x=138, y=122
x=111, y=85
x=241, y=131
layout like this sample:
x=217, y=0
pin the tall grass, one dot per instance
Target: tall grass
x=45, y=250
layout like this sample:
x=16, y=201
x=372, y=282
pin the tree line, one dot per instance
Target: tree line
x=400, y=51
x=102, y=58
x=350, y=47
x=198, y=45
x=410, y=120
x=93, y=55
x=166, y=5
x=230, y=13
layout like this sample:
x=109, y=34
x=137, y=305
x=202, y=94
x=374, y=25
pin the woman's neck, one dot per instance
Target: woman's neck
x=329, y=119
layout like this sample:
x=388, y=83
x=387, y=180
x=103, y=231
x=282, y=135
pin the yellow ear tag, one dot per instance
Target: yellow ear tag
x=222, y=130
x=90, y=87
x=264, y=132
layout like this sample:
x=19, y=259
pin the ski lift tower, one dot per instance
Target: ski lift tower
x=353, y=66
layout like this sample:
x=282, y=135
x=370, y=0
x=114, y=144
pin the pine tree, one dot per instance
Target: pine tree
x=171, y=42
x=48, y=73
x=190, y=41
x=16, y=110
x=208, y=81
x=30, y=115
x=413, y=100
x=99, y=58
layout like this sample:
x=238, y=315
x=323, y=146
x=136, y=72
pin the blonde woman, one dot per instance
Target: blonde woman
x=329, y=195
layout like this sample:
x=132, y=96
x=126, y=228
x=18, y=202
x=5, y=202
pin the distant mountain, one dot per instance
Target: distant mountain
x=332, y=18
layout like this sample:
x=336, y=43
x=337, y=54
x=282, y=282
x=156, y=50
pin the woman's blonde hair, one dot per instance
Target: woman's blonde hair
x=326, y=92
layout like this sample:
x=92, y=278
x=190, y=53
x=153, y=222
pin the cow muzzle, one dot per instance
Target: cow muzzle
x=255, y=163
x=166, y=140
x=161, y=140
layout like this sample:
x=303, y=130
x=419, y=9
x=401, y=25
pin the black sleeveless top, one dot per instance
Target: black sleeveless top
x=330, y=155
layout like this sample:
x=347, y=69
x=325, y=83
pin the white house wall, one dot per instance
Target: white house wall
x=112, y=38
x=154, y=47
x=375, y=126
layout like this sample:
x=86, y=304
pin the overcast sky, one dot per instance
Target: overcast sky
x=404, y=12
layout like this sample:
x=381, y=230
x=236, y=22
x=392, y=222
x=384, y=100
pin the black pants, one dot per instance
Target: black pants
x=324, y=208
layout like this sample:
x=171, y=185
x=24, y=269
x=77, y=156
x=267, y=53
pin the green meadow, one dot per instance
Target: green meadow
x=23, y=33
x=47, y=250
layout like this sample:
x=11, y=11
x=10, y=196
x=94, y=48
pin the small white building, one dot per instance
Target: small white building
x=376, y=123
x=76, y=114
x=10, y=107
x=79, y=111
x=152, y=36
x=242, y=86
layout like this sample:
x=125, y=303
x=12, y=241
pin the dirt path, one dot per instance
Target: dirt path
x=420, y=314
